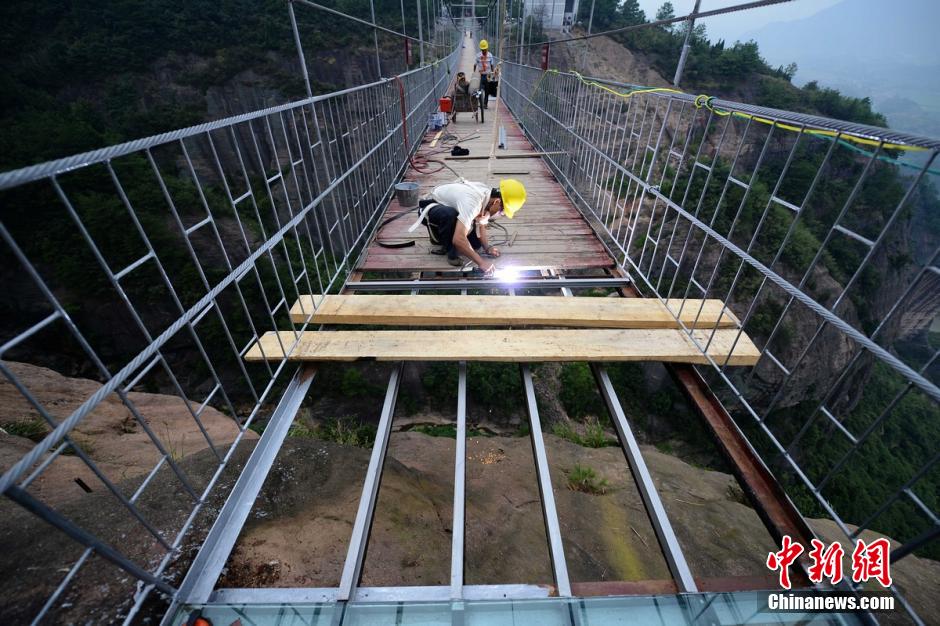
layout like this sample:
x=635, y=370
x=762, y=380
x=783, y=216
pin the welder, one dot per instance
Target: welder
x=457, y=216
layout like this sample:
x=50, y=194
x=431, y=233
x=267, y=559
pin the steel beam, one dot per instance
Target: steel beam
x=644, y=481
x=207, y=566
x=450, y=285
x=370, y=490
x=427, y=593
x=460, y=484
x=552, y=528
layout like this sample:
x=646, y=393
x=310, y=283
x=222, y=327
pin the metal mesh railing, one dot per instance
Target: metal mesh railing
x=821, y=237
x=152, y=266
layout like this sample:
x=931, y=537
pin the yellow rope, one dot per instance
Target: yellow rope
x=703, y=100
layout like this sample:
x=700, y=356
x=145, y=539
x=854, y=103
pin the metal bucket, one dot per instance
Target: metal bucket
x=407, y=194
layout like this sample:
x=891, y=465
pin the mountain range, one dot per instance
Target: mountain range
x=883, y=50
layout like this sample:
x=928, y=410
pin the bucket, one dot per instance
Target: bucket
x=407, y=194
x=445, y=104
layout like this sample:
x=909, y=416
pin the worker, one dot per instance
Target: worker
x=484, y=64
x=457, y=215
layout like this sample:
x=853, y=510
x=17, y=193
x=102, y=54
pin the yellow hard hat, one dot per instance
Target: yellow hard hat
x=484, y=45
x=513, y=195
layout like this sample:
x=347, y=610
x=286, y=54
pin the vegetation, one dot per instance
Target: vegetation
x=593, y=435
x=32, y=429
x=342, y=430
x=490, y=386
x=586, y=480
x=895, y=450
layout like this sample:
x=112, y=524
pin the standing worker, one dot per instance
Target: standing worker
x=457, y=215
x=484, y=64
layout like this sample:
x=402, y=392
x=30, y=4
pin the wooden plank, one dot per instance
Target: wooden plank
x=594, y=344
x=503, y=156
x=455, y=310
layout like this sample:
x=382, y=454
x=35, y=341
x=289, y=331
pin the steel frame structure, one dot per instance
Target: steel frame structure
x=301, y=185
x=640, y=168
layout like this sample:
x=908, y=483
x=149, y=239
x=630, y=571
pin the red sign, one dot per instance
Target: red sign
x=870, y=560
x=545, y=50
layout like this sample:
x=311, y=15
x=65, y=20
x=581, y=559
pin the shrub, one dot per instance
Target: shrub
x=586, y=480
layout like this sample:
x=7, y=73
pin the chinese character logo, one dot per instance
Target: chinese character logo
x=869, y=561
x=827, y=562
x=788, y=554
x=872, y=561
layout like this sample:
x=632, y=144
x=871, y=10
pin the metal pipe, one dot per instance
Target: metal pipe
x=450, y=285
x=370, y=491
x=685, y=46
x=460, y=488
x=201, y=578
x=420, y=31
x=644, y=482
x=300, y=49
x=375, y=38
x=552, y=527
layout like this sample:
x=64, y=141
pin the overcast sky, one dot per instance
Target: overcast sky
x=736, y=25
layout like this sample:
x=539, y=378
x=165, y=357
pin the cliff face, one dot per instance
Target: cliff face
x=300, y=525
x=36, y=557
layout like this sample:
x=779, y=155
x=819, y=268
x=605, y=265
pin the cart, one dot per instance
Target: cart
x=467, y=100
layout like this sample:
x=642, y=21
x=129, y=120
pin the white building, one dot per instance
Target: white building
x=556, y=14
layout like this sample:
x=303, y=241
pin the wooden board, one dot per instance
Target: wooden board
x=522, y=346
x=454, y=310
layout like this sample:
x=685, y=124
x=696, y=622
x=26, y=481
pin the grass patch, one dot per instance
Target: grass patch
x=343, y=430
x=592, y=437
x=586, y=480
x=34, y=429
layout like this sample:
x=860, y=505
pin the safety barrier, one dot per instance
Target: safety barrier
x=817, y=235
x=283, y=199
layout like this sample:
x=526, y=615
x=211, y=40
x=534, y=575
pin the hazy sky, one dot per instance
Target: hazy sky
x=736, y=25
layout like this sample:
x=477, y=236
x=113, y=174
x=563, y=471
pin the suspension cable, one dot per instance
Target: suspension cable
x=672, y=20
x=310, y=3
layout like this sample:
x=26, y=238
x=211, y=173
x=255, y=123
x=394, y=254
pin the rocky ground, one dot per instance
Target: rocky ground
x=300, y=526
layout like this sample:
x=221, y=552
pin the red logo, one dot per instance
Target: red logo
x=781, y=560
x=872, y=561
x=869, y=561
x=826, y=563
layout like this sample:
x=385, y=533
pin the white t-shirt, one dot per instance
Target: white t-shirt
x=468, y=198
x=485, y=66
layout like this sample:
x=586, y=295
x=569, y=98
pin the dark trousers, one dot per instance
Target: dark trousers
x=485, y=87
x=443, y=220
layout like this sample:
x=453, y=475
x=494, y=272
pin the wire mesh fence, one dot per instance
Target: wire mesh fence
x=820, y=237
x=149, y=268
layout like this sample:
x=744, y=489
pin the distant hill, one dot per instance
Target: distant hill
x=885, y=50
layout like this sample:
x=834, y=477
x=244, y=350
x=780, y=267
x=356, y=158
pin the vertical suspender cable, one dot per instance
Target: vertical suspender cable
x=375, y=38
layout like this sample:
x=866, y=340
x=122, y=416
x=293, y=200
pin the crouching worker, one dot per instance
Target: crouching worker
x=457, y=215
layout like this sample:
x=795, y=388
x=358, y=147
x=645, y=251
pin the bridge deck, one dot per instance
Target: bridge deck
x=548, y=232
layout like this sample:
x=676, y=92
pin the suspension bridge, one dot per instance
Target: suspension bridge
x=684, y=209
